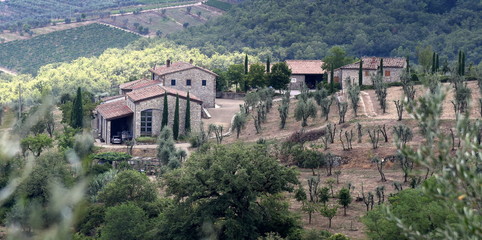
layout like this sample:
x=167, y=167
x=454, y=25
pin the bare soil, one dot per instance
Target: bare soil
x=359, y=169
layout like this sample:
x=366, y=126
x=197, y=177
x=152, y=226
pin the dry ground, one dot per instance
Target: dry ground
x=359, y=168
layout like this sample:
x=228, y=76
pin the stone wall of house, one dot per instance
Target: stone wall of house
x=157, y=106
x=296, y=81
x=206, y=93
x=367, y=75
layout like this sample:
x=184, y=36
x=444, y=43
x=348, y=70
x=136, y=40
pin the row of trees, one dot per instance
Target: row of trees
x=251, y=76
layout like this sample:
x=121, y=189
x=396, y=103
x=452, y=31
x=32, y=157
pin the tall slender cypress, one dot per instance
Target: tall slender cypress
x=459, y=63
x=463, y=63
x=175, y=127
x=381, y=67
x=332, y=77
x=437, y=66
x=360, y=73
x=165, y=112
x=77, y=116
x=246, y=64
x=268, y=65
x=434, y=62
x=408, y=64
x=187, y=120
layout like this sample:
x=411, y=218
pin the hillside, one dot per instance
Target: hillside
x=37, y=13
x=27, y=56
x=102, y=74
x=305, y=29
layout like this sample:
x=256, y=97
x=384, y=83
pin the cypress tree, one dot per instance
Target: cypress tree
x=437, y=66
x=332, y=82
x=76, y=116
x=175, y=127
x=381, y=67
x=246, y=64
x=360, y=73
x=187, y=120
x=268, y=65
x=434, y=62
x=408, y=64
x=459, y=63
x=165, y=112
x=463, y=64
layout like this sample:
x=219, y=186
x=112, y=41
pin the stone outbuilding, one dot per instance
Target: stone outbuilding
x=392, y=69
x=138, y=110
x=188, y=78
x=305, y=71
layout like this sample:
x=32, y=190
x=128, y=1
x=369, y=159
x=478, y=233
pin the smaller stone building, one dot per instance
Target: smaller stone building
x=392, y=69
x=188, y=78
x=305, y=71
x=138, y=110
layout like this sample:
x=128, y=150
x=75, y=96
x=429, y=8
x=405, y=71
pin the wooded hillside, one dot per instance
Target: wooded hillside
x=306, y=29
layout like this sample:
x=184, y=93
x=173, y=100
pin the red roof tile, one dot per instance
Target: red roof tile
x=182, y=94
x=110, y=98
x=176, y=67
x=146, y=93
x=305, y=66
x=138, y=84
x=156, y=91
x=113, y=110
x=372, y=63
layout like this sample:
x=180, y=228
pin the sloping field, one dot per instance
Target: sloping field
x=27, y=56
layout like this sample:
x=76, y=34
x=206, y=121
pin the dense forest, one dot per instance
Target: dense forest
x=306, y=29
x=62, y=46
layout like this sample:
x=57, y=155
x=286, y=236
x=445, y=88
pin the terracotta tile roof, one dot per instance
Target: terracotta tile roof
x=305, y=66
x=138, y=84
x=113, y=110
x=112, y=98
x=176, y=67
x=145, y=93
x=156, y=91
x=372, y=63
x=182, y=94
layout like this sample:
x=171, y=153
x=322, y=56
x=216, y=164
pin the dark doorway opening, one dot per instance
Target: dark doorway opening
x=311, y=80
x=121, y=128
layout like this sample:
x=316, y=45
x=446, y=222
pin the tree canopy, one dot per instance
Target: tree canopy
x=306, y=29
x=223, y=186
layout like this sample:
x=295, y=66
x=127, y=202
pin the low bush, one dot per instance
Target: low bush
x=112, y=156
x=146, y=140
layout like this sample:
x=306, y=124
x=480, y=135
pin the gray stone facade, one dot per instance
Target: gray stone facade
x=196, y=75
x=296, y=81
x=157, y=107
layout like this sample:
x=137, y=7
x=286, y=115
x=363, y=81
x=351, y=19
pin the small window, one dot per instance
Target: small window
x=293, y=80
x=173, y=82
x=387, y=73
x=188, y=82
x=204, y=82
x=367, y=73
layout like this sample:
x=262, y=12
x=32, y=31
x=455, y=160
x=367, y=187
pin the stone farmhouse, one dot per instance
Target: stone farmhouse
x=188, y=78
x=138, y=110
x=392, y=69
x=305, y=71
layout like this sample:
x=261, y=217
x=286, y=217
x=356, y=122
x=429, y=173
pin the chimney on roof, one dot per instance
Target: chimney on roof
x=191, y=61
x=168, y=63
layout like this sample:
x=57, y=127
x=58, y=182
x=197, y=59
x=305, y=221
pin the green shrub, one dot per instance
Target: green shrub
x=146, y=140
x=112, y=156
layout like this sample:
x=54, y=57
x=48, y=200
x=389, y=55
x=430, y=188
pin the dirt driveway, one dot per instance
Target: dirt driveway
x=223, y=114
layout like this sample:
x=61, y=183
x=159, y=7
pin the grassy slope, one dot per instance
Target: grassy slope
x=27, y=56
